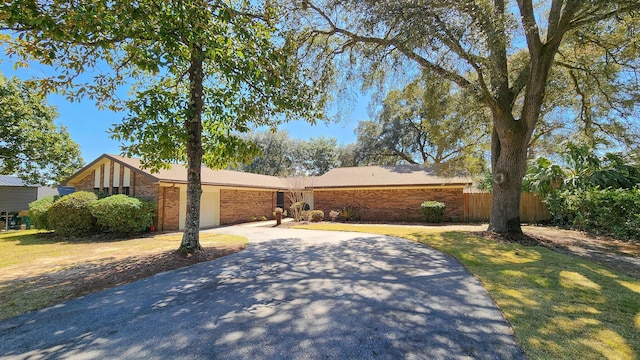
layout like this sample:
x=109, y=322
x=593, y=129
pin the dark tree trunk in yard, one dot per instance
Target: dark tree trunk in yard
x=510, y=141
x=508, y=161
x=193, y=126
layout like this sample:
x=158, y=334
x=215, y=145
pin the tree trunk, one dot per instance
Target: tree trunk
x=508, y=160
x=193, y=127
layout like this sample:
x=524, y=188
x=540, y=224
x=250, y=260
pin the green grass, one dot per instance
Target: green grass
x=560, y=307
x=31, y=261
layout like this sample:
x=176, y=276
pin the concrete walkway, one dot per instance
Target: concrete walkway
x=293, y=294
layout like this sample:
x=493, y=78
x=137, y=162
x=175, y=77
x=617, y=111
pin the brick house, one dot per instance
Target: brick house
x=388, y=193
x=391, y=193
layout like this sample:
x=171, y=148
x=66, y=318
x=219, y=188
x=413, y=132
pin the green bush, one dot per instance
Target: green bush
x=315, y=215
x=70, y=215
x=38, y=212
x=613, y=212
x=433, y=211
x=349, y=212
x=298, y=209
x=123, y=214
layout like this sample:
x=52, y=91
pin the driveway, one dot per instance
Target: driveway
x=292, y=294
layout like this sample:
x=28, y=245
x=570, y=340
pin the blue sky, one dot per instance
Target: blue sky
x=88, y=125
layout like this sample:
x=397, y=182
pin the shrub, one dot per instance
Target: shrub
x=252, y=219
x=349, y=212
x=38, y=212
x=262, y=218
x=612, y=212
x=433, y=211
x=70, y=215
x=315, y=215
x=123, y=214
x=297, y=210
x=333, y=215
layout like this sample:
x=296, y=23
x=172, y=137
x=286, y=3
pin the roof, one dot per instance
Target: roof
x=8, y=180
x=178, y=174
x=395, y=175
x=368, y=176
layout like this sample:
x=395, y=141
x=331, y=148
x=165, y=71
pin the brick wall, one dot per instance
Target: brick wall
x=169, y=209
x=392, y=204
x=141, y=185
x=237, y=205
x=86, y=184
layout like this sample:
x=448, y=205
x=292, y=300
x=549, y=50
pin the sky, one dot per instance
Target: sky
x=88, y=125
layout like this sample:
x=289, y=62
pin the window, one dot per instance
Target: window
x=96, y=190
x=105, y=191
x=115, y=191
x=125, y=190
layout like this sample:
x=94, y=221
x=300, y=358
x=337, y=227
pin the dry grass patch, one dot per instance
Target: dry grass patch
x=559, y=306
x=40, y=269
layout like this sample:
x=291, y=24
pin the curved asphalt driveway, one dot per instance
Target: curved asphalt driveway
x=293, y=294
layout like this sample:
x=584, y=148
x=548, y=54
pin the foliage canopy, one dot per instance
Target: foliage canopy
x=31, y=145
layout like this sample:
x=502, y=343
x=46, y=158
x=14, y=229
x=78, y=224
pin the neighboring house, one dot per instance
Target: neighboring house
x=382, y=193
x=15, y=194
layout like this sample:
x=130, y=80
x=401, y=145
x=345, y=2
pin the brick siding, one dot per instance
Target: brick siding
x=237, y=205
x=169, y=209
x=390, y=205
x=141, y=186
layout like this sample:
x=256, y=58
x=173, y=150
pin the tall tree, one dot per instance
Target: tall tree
x=430, y=122
x=368, y=149
x=276, y=156
x=31, y=145
x=283, y=156
x=318, y=155
x=473, y=44
x=207, y=69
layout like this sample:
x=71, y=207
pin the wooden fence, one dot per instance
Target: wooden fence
x=477, y=208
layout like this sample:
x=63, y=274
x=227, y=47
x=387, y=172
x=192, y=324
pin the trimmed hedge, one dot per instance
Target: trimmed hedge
x=433, y=211
x=70, y=215
x=123, y=214
x=38, y=212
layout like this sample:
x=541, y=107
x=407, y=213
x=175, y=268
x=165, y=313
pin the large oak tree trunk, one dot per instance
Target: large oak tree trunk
x=508, y=161
x=193, y=127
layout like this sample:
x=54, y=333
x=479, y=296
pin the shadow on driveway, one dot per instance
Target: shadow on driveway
x=292, y=295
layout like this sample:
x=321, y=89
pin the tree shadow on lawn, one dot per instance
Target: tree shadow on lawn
x=50, y=237
x=36, y=292
x=560, y=306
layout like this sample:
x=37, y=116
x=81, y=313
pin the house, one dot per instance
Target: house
x=15, y=194
x=389, y=193
x=383, y=193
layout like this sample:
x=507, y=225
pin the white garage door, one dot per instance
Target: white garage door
x=209, y=207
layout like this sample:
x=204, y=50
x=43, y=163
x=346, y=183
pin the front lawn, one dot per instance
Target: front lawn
x=560, y=307
x=40, y=269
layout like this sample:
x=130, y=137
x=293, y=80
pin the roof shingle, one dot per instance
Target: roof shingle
x=396, y=175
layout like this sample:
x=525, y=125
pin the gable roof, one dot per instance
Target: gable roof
x=178, y=174
x=383, y=176
x=367, y=176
